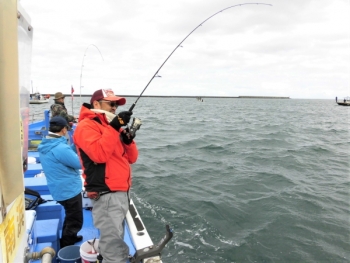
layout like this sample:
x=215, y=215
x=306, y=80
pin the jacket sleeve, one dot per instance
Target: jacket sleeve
x=98, y=141
x=73, y=147
x=70, y=118
x=68, y=157
x=63, y=113
x=132, y=152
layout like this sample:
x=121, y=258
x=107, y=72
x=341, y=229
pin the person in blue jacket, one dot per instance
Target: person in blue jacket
x=61, y=167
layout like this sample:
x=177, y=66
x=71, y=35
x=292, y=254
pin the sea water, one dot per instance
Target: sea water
x=242, y=180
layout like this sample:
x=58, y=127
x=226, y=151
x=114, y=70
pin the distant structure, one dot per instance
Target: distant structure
x=262, y=97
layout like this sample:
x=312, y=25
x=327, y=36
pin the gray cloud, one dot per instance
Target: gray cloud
x=294, y=48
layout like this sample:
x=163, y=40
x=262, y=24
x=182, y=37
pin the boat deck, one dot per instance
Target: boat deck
x=89, y=232
x=49, y=223
x=48, y=217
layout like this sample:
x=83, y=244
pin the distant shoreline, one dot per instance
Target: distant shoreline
x=173, y=96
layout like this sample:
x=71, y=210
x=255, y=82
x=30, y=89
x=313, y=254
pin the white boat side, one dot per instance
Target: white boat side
x=39, y=101
x=15, y=50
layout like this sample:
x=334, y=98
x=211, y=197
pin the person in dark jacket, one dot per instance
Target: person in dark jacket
x=59, y=109
x=61, y=167
x=106, y=151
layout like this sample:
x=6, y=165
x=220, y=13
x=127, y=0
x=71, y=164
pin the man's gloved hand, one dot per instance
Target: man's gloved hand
x=124, y=117
x=121, y=119
x=127, y=137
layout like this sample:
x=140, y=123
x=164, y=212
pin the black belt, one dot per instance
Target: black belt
x=106, y=192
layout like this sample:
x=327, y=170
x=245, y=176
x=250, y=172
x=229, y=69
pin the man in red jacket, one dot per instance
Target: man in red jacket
x=106, y=151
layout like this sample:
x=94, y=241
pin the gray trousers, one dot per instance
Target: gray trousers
x=109, y=213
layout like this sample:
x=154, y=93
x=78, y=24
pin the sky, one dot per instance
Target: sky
x=296, y=49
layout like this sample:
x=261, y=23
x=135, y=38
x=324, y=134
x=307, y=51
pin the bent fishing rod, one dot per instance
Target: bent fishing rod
x=155, y=74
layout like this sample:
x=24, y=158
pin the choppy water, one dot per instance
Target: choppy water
x=243, y=180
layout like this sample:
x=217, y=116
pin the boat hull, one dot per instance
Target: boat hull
x=343, y=103
x=39, y=101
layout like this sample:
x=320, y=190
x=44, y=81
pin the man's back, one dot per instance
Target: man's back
x=61, y=166
x=58, y=109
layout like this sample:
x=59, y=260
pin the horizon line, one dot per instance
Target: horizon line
x=184, y=96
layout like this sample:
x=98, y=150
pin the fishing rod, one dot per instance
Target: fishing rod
x=155, y=74
x=82, y=66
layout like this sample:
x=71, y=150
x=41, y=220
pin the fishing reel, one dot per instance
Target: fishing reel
x=135, y=125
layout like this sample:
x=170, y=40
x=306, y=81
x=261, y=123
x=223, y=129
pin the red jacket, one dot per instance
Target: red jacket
x=103, y=155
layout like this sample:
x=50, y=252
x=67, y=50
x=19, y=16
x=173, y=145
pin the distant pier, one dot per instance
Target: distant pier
x=262, y=97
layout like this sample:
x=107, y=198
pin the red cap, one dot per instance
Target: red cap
x=107, y=94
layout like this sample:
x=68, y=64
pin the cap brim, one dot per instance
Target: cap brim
x=119, y=100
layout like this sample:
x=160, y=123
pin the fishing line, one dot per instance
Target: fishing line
x=155, y=74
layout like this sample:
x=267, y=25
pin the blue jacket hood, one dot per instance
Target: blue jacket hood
x=50, y=142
